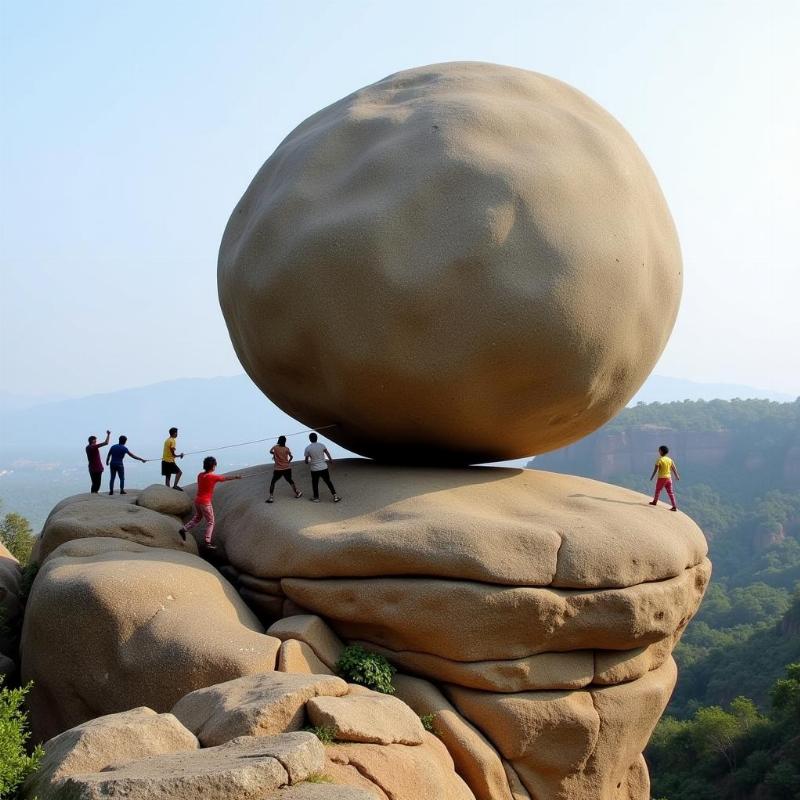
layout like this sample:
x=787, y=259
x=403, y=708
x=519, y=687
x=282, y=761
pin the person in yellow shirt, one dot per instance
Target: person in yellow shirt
x=169, y=467
x=665, y=467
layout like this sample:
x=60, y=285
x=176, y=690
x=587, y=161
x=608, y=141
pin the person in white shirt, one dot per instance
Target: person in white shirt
x=318, y=458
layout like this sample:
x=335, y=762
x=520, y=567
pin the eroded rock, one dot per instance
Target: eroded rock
x=111, y=625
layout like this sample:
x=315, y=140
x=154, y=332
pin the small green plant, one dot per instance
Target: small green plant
x=429, y=723
x=15, y=763
x=319, y=777
x=360, y=666
x=324, y=733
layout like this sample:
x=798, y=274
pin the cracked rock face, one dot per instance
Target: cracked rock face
x=532, y=614
x=495, y=263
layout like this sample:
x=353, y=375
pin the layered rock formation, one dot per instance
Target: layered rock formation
x=497, y=272
x=536, y=611
x=493, y=259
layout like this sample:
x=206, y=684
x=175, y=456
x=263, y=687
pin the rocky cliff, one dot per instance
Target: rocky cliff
x=530, y=615
x=613, y=452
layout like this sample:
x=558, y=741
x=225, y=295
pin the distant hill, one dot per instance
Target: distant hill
x=661, y=389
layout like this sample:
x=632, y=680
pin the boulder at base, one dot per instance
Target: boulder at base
x=107, y=516
x=101, y=742
x=246, y=768
x=111, y=625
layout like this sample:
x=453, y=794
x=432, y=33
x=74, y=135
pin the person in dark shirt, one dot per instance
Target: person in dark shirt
x=116, y=454
x=95, y=462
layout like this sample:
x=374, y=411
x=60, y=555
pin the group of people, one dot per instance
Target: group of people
x=316, y=455
x=116, y=461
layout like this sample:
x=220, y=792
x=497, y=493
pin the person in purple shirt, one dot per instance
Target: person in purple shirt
x=95, y=462
x=115, y=457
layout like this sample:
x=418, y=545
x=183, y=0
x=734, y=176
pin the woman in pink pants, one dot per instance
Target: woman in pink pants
x=206, y=482
x=665, y=467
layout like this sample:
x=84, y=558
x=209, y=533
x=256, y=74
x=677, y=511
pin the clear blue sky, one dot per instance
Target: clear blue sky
x=130, y=130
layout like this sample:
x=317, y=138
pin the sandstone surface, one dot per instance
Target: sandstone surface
x=373, y=718
x=245, y=769
x=424, y=772
x=128, y=625
x=313, y=631
x=486, y=622
x=501, y=526
x=579, y=745
x=424, y=218
x=254, y=705
x=474, y=758
x=165, y=500
x=110, y=517
x=297, y=656
x=101, y=742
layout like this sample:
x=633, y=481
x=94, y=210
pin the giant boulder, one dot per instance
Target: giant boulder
x=494, y=262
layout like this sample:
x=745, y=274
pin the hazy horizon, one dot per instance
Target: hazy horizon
x=129, y=133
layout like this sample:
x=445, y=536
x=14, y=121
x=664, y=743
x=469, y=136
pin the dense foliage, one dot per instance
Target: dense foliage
x=366, y=668
x=15, y=762
x=734, y=752
x=17, y=535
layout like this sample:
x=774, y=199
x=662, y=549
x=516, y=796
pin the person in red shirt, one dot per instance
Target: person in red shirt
x=206, y=482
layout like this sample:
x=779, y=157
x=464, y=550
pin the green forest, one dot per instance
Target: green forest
x=732, y=730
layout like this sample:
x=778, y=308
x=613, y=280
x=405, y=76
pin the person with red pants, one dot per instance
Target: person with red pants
x=665, y=467
x=206, y=483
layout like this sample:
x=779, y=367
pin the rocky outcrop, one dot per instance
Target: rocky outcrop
x=165, y=500
x=111, y=517
x=248, y=768
x=541, y=611
x=10, y=609
x=255, y=705
x=531, y=617
x=111, y=625
x=95, y=745
x=546, y=254
x=380, y=748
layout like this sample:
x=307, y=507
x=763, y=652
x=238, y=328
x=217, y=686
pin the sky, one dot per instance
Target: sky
x=128, y=132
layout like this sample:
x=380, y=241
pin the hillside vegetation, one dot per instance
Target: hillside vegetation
x=730, y=731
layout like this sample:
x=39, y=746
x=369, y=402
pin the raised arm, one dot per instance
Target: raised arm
x=108, y=439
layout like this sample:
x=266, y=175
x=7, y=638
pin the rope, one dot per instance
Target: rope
x=253, y=441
